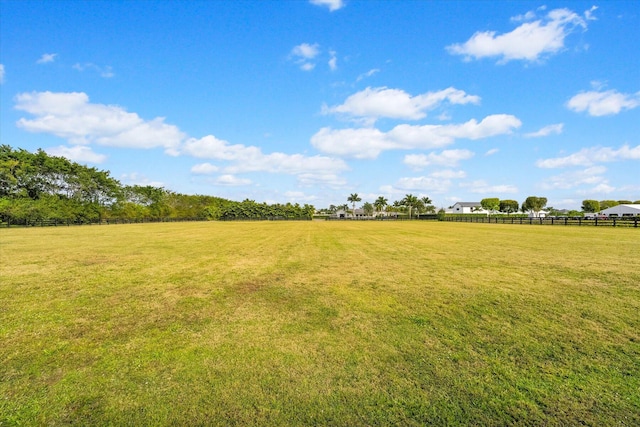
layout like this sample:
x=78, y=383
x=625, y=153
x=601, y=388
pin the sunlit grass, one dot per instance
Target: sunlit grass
x=335, y=323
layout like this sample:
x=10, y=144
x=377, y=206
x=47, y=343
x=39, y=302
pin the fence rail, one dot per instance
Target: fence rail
x=595, y=222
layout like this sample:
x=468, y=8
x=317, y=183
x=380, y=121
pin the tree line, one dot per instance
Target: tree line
x=536, y=204
x=409, y=205
x=38, y=186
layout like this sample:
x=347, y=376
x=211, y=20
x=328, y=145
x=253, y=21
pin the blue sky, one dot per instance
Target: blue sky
x=310, y=101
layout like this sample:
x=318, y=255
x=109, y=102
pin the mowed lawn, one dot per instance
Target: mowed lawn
x=319, y=323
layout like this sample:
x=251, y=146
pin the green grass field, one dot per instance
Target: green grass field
x=319, y=323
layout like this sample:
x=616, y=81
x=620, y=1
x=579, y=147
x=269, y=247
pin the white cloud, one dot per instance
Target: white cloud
x=529, y=42
x=46, y=58
x=106, y=72
x=546, y=131
x=333, y=61
x=304, y=54
x=588, y=14
x=602, y=188
x=73, y=117
x=232, y=181
x=374, y=103
x=329, y=179
x=367, y=74
x=333, y=5
x=299, y=196
x=481, y=187
x=449, y=174
x=491, y=152
x=603, y=103
x=1, y=73
x=450, y=158
x=425, y=184
x=593, y=155
x=592, y=175
x=204, y=169
x=77, y=153
x=252, y=159
x=368, y=143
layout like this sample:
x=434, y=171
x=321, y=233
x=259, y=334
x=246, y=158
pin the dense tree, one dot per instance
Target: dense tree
x=534, y=204
x=491, y=204
x=427, y=204
x=625, y=202
x=606, y=204
x=590, y=206
x=410, y=201
x=509, y=206
x=354, y=198
x=37, y=186
x=380, y=204
x=368, y=209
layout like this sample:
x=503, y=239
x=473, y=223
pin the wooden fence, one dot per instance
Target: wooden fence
x=595, y=222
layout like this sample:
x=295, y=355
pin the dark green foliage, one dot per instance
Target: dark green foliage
x=37, y=186
x=590, y=206
x=509, y=206
x=534, y=204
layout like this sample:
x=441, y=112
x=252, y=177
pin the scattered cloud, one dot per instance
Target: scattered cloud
x=77, y=153
x=367, y=74
x=374, y=103
x=333, y=61
x=329, y=179
x=602, y=188
x=231, y=181
x=449, y=158
x=568, y=180
x=546, y=131
x=368, y=143
x=591, y=156
x=531, y=41
x=588, y=14
x=605, y=103
x=106, y=72
x=423, y=184
x=481, y=187
x=71, y=116
x=491, y=152
x=204, y=169
x=1, y=73
x=449, y=174
x=304, y=55
x=252, y=159
x=333, y=5
x=46, y=58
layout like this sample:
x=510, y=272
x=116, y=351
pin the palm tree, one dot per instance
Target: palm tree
x=410, y=201
x=427, y=204
x=380, y=203
x=353, y=198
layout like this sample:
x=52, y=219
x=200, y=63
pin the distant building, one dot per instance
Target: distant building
x=467, y=208
x=622, y=210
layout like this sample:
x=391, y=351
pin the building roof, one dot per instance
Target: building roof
x=468, y=204
x=633, y=209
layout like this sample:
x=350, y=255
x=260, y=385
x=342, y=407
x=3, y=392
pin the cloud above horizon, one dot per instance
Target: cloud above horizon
x=333, y=5
x=591, y=156
x=368, y=143
x=532, y=41
x=371, y=104
x=603, y=103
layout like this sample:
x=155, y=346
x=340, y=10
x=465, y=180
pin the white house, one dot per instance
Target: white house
x=622, y=210
x=466, y=208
